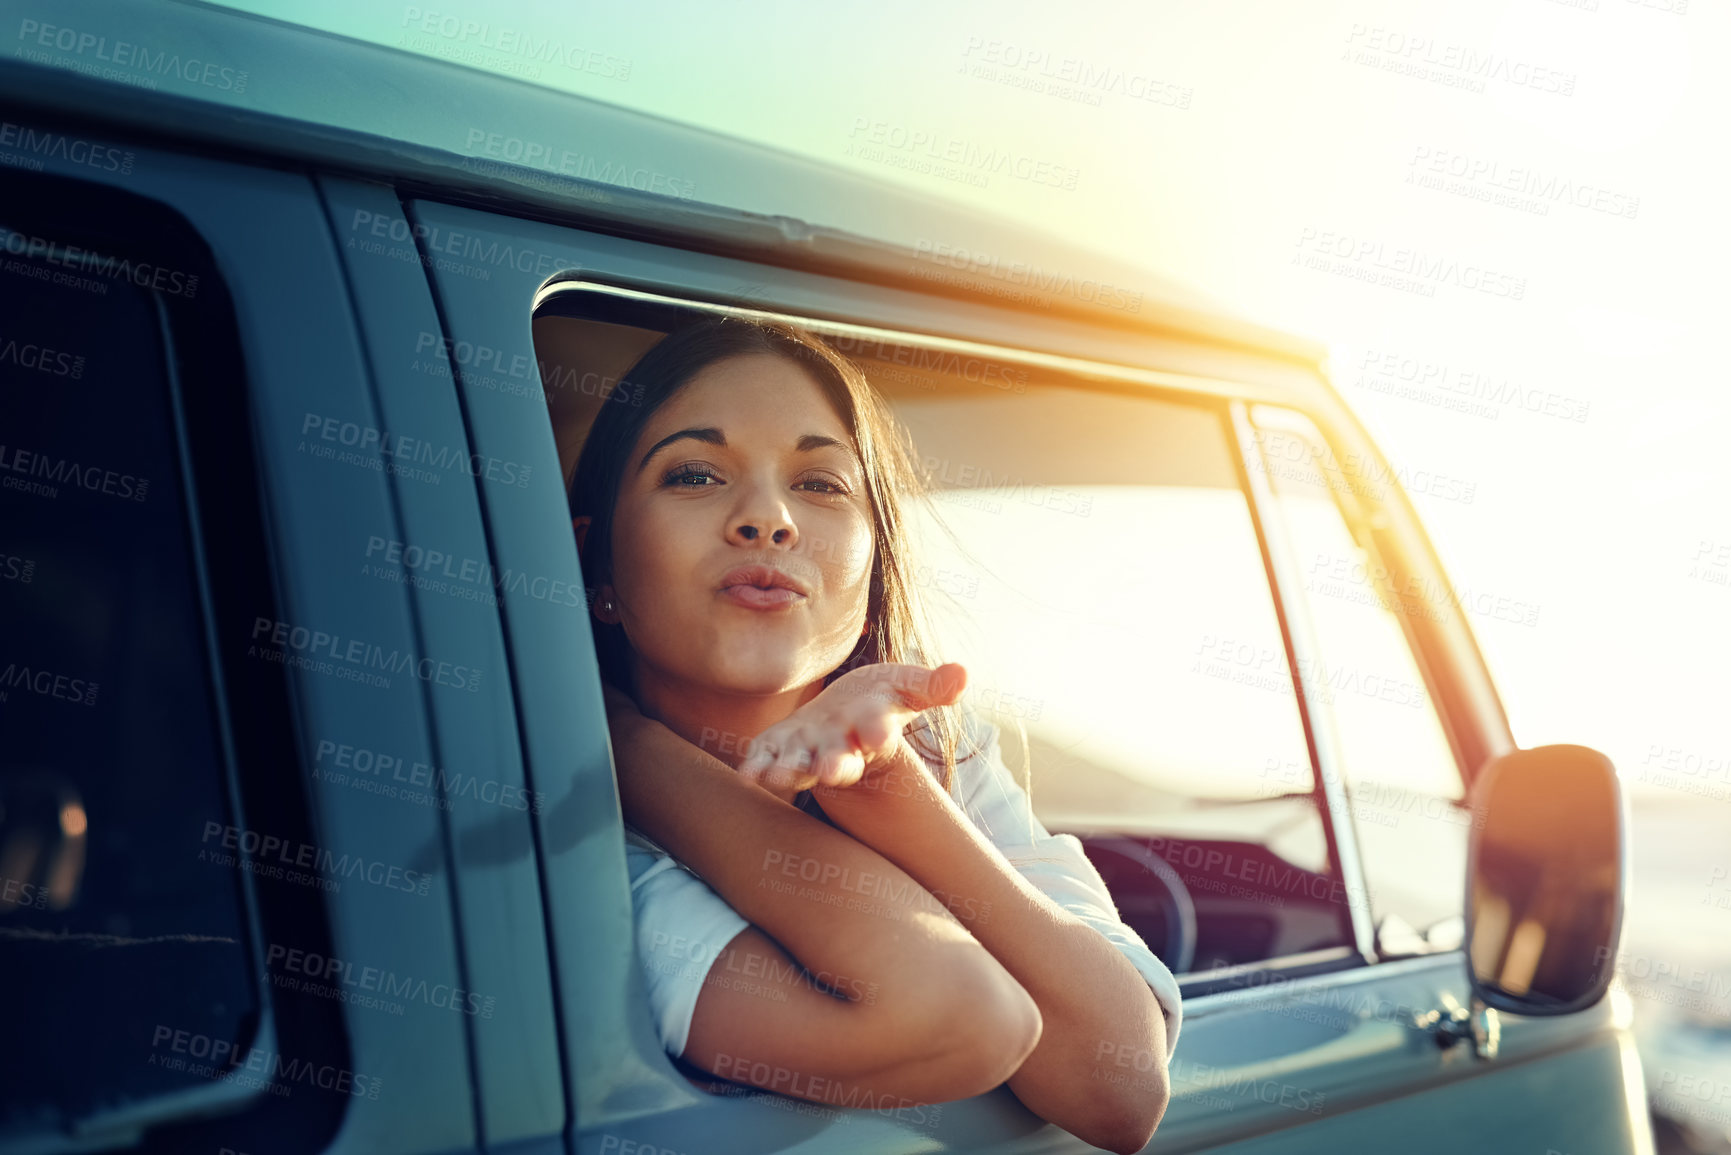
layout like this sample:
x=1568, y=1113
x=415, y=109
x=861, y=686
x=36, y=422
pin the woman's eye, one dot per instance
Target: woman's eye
x=685, y=475
x=824, y=485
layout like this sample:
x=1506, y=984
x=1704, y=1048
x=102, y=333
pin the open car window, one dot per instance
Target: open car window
x=1091, y=556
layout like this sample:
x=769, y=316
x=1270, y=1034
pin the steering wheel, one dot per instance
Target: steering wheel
x=1170, y=900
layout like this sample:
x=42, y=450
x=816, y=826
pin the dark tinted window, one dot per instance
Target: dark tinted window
x=119, y=917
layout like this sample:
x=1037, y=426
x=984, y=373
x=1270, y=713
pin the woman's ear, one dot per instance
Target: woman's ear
x=605, y=603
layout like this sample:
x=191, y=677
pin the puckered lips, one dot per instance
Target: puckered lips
x=761, y=586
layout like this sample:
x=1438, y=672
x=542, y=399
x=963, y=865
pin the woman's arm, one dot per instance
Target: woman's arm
x=943, y=1020
x=1099, y=1070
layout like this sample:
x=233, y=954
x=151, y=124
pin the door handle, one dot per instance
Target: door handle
x=1480, y=1024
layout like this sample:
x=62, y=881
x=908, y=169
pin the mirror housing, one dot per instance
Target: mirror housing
x=1546, y=869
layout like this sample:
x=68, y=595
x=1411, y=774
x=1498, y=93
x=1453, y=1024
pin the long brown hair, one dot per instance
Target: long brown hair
x=897, y=628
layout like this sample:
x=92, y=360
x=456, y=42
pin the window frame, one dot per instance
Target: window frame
x=1225, y=399
x=1364, y=526
x=251, y=708
x=1302, y=650
x=1366, y=523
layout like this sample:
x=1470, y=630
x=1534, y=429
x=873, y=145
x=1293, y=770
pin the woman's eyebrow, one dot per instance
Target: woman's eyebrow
x=708, y=433
x=813, y=441
x=714, y=436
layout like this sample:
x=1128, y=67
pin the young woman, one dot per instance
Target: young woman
x=840, y=892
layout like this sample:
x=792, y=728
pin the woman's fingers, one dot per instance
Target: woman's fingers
x=766, y=754
x=829, y=740
x=792, y=770
x=791, y=753
x=839, y=762
x=762, y=754
x=919, y=688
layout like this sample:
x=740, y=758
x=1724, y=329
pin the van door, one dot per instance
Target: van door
x=1293, y=1034
x=211, y=304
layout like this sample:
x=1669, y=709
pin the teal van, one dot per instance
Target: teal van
x=309, y=835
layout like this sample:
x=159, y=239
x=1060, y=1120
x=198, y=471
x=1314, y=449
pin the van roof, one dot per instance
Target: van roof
x=198, y=72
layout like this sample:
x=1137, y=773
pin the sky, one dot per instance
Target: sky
x=1503, y=217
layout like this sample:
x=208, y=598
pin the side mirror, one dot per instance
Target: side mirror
x=1545, y=874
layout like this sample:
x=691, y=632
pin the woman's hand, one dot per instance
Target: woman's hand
x=852, y=727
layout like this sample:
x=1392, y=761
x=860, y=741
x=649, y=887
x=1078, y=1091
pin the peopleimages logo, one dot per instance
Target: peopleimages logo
x=270, y=856
x=516, y=373
x=231, y=1062
x=936, y=362
x=508, y=41
x=883, y=894
x=42, y=358
x=436, y=569
x=1023, y=274
x=1400, y=267
x=1455, y=65
x=308, y=645
x=56, y=471
x=345, y=764
x=585, y=166
x=16, y=892
x=136, y=57
x=831, y=1092
x=869, y=138
x=1067, y=77
x=141, y=273
x=404, y=453
x=1429, y=166
x=48, y=684
x=351, y=980
x=441, y=243
x=58, y=146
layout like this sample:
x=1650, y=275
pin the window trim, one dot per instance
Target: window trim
x=559, y=297
x=550, y=299
x=1291, y=967
x=1362, y=525
x=1302, y=650
x=1365, y=521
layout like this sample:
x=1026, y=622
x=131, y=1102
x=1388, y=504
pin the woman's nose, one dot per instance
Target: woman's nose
x=763, y=519
x=774, y=530
x=780, y=535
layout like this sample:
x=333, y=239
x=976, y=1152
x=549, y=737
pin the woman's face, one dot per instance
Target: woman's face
x=746, y=466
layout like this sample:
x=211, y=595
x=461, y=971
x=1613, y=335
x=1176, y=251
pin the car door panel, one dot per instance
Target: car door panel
x=1492, y=1111
x=442, y=560
x=486, y=298
x=1293, y=1056
x=268, y=235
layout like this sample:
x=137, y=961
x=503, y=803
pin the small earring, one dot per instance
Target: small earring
x=607, y=607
